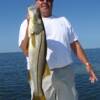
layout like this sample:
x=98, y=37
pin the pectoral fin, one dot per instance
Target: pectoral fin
x=33, y=40
x=47, y=71
x=39, y=97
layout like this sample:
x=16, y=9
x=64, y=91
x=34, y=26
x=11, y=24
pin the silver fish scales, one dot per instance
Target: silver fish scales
x=37, y=51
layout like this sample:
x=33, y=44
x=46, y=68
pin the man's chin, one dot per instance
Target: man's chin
x=45, y=14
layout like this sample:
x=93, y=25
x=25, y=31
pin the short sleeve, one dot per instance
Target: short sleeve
x=22, y=32
x=72, y=34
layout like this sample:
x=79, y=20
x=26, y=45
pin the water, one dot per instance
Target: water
x=14, y=79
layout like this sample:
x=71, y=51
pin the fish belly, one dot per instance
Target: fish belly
x=37, y=58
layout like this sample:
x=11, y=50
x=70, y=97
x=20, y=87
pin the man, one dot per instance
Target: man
x=61, y=38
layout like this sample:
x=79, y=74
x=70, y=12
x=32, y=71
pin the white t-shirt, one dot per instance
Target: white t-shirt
x=59, y=35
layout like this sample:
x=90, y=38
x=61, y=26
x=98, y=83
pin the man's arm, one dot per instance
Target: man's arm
x=79, y=52
x=25, y=42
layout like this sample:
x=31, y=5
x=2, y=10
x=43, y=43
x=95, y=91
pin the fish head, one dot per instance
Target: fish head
x=35, y=20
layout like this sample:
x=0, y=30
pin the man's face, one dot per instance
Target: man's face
x=45, y=7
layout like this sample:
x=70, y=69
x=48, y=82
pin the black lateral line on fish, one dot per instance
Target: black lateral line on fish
x=38, y=59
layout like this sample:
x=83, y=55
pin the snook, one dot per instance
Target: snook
x=37, y=51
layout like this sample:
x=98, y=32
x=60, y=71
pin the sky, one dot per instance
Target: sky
x=84, y=16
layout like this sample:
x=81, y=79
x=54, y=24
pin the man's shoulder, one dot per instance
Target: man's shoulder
x=61, y=18
x=23, y=23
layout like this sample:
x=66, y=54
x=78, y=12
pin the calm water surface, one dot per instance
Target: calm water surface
x=14, y=83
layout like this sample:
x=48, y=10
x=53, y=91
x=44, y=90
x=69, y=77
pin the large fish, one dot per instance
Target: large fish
x=37, y=51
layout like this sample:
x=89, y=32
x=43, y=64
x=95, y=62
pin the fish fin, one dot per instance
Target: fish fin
x=46, y=71
x=39, y=97
x=29, y=76
x=33, y=40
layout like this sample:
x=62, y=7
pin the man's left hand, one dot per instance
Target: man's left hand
x=92, y=75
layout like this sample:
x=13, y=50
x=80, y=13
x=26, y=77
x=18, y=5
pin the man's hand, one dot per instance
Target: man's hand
x=92, y=76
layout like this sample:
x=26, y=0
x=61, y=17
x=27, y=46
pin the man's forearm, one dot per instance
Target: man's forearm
x=24, y=44
x=80, y=53
x=78, y=50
